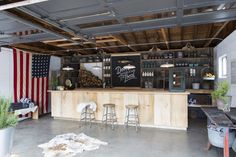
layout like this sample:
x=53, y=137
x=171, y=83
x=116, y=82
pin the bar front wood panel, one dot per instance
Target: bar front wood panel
x=56, y=103
x=178, y=106
x=162, y=110
x=155, y=108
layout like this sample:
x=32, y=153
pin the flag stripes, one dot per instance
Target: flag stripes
x=27, y=86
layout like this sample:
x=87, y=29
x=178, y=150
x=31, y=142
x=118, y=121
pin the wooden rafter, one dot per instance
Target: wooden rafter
x=134, y=37
x=209, y=31
x=98, y=42
x=145, y=36
x=165, y=38
x=109, y=49
x=182, y=35
x=195, y=32
x=168, y=36
x=216, y=33
x=122, y=41
x=31, y=48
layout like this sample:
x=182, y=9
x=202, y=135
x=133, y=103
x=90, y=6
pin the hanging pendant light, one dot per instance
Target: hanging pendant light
x=97, y=67
x=167, y=65
x=129, y=66
x=67, y=68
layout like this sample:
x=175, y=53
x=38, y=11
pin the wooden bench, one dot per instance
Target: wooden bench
x=33, y=110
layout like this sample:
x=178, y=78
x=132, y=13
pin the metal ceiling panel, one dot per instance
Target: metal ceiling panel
x=79, y=21
x=105, y=30
x=219, y=16
x=59, y=9
x=130, y=7
x=7, y=25
x=202, y=3
x=26, y=39
x=13, y=26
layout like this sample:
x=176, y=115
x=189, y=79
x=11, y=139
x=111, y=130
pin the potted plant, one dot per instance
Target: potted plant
x=223, y=101
x=54, y=81
x=7, y=123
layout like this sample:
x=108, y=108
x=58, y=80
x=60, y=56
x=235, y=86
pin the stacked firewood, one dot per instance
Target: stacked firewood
x=88, y=79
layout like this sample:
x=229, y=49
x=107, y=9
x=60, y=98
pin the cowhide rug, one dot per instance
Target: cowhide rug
x=68, y=145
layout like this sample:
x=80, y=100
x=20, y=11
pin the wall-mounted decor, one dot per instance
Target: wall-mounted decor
x=126, y=71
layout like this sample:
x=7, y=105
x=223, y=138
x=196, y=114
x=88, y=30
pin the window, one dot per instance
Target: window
x=223, y=66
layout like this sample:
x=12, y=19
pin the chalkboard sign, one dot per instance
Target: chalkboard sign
x=126, y=71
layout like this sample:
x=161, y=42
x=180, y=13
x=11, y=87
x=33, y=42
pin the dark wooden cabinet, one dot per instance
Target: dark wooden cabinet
x=176, y=80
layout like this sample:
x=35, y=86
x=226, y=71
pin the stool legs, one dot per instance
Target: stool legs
x=109, y=115
x=87, y=115
x=132, y=118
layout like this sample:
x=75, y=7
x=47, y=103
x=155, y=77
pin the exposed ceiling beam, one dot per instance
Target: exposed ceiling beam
x=181, y=35
x=20, y=4
x=208, y=35
x=122, y=41
x=193, y=19
x=98, y=42
x=53, y=41
x=145, y=36
x=32, y=24
x=168, y=36
x=32, y=48
x=134, y=37
x=195, y=31
x=26, y=38
x=55, y=24
x=165, y=38
x=216, y=34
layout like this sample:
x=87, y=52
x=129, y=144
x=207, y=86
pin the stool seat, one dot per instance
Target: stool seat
x=109, y=105
x=131, y=106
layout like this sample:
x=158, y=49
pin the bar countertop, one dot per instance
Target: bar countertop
x=121, y=90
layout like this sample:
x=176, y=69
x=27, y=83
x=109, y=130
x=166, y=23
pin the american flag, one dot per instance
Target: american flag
x=31, y=78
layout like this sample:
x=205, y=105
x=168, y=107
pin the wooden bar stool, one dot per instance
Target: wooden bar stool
x=132, y=118
x=87, y=115
x=109, y=114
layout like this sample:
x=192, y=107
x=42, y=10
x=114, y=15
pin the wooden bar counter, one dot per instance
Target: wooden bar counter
x=157, y=108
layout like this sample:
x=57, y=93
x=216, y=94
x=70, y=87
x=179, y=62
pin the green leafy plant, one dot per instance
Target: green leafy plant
x=221, y=91
x=7, y=119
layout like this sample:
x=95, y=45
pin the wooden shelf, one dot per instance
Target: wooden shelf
x=198, y=105
x=199, y=91
x=186, y=58
x=175, y=67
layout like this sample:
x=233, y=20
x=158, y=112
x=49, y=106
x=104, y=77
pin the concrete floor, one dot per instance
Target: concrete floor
x=148, y=142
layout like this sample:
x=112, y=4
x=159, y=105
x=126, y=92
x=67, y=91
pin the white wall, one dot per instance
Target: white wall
x=55, y=65
x=227, y=47
x=6, y=72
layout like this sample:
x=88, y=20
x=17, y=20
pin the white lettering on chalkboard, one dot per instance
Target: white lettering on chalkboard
x=125, y=74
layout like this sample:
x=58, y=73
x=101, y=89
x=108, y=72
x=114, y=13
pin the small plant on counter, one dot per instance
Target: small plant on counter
x=7, y=119
x=220, y=95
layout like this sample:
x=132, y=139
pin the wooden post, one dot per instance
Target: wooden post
x=35, y=114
